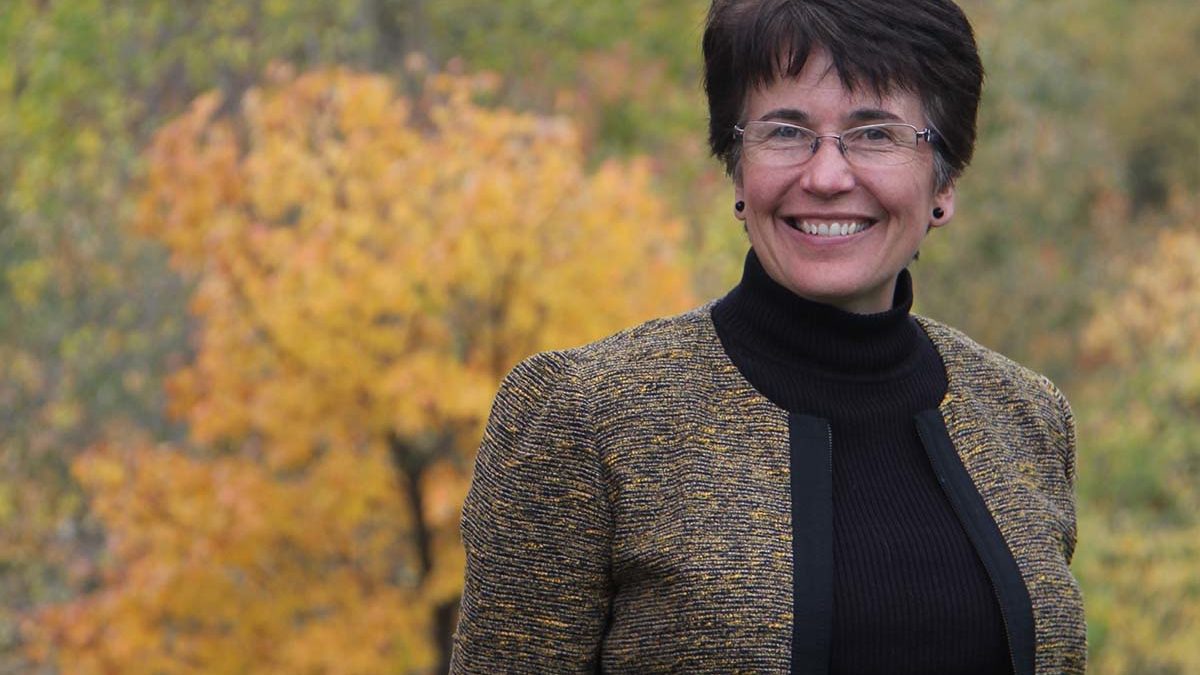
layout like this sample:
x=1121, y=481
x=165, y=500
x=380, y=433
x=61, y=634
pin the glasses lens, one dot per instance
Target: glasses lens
x=880, y=144
x=777, y=143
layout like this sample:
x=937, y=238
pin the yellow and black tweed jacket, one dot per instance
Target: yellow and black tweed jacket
x=630, y=510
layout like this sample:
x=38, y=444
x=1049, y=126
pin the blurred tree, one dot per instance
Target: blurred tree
x=1086, y=103
x=90, y=318
x=629, y=72
x=1142, y=477
x=367, y=267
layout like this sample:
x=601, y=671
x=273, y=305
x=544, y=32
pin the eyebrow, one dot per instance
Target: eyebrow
x=792, y=115
x=873, y=115
x=797, y=116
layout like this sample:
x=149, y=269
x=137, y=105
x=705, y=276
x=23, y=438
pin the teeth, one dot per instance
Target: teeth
x=832, y=229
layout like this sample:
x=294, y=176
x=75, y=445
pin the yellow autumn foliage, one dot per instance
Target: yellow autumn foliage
x=1158, y=313
x=367, y=266
x=368, y=271
x=1141, y=469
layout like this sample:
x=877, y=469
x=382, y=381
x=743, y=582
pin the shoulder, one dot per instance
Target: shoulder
x=972, y=362
x=998, y=385
x=663, y=344
x=669, y=337
x=652, y=364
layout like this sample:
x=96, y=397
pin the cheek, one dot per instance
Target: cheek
x=908, y=198
x=762, y=188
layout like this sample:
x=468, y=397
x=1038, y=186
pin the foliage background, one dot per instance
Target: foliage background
x=152, y=430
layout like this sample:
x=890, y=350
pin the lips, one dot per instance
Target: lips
x=843, y=227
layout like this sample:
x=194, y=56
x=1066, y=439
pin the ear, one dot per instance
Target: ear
x=943, y=200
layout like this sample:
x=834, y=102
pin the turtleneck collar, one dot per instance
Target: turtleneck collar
x=763, y=317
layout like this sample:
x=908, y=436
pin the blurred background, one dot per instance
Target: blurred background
x=263, y=263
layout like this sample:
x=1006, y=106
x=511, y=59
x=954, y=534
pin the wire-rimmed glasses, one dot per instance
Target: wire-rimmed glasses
x=779, y=144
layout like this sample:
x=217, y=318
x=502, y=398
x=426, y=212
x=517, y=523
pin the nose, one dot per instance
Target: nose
x=827, y=173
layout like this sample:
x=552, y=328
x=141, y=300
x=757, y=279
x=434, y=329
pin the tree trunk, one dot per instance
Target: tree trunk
x=410, y=465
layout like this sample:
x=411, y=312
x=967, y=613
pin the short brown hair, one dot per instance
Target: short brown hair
x=923, y=46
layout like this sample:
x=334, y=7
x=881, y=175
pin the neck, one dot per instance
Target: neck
x=761, y=316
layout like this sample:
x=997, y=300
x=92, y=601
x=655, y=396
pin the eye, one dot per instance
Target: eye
x=875, y=135
x=785, y=131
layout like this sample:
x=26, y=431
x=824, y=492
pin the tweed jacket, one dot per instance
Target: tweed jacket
x=631, y=507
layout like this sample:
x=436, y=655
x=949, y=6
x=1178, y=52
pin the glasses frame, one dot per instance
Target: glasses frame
x=927, y=134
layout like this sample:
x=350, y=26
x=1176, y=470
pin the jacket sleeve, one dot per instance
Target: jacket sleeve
x=536, y=528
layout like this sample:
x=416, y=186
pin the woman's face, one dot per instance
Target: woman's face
x=855, y=272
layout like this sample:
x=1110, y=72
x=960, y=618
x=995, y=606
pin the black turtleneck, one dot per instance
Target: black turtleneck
x=910, y=593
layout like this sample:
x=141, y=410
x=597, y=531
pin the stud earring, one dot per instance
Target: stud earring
x=739, y=206
x=938, y=212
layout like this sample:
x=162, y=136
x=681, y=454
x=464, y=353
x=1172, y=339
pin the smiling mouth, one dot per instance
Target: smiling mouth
x=829, y=228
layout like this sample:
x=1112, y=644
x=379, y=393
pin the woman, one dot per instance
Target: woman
x=801, y=476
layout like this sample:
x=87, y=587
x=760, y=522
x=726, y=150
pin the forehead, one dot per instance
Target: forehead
x=818, y=95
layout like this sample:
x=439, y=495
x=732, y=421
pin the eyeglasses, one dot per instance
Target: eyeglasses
x=779, y=144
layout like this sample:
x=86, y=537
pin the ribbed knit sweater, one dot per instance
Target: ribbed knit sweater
x=910, y=593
